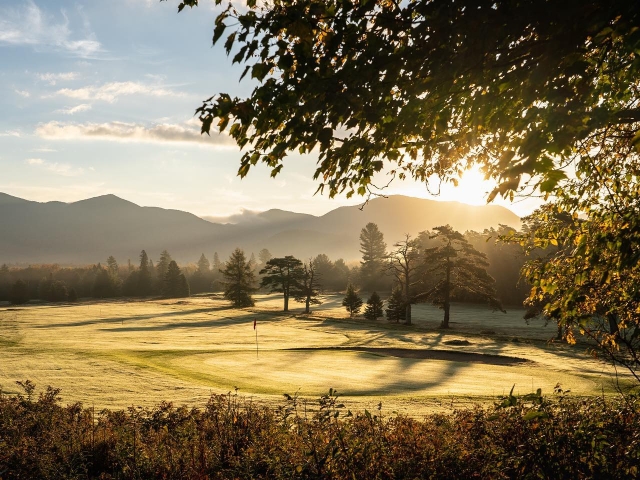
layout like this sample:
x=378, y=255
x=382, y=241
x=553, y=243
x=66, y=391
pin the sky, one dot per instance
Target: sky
x=98, y=98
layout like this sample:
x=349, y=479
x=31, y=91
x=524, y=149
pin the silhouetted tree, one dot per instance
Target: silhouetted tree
x=175, y=283
x=374, y=252
x=103, y=286
x=5, y=282
x=239, y=280
x=282, y=275
x=202, y=278
x=403, y=262
x=264, y=256
x=454, y=266
x=396, y=308
x=19, y=293
x=352, y=301
x=374, y=308
x=308, y=287
x=144, y=275
x=73, y=295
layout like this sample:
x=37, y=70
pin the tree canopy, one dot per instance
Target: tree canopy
x=454, y=267
x=427, y=88
x=282, y=275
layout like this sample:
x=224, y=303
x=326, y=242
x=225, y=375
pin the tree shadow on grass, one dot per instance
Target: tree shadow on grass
x=95, y=321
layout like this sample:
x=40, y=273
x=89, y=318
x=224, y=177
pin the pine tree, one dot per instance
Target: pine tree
x=264, y=256
x=19, y=293
x=175, y=283
x=163, y=265
x=144, y=275
x=239, y=280
x=352, y=301
x=282, y=275
x=374, y=251
x=374, y=308
x=308, y=287
x=396, y=308
x=455, y=267
x=112, y=266
x=72, y=295
x=203, y=265
x=203, y=277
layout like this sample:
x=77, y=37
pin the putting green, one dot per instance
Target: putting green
x=115, y=354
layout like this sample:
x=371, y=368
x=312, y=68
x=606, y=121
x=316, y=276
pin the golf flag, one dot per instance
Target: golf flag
x=254, y=323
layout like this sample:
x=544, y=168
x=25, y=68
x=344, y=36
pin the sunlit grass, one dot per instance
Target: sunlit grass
x=115, y=354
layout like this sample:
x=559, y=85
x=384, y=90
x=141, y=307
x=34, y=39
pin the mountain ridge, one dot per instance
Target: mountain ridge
x=89, y=230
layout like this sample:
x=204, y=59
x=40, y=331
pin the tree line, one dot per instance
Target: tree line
x=438, y=266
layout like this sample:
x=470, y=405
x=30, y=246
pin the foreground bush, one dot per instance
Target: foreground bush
x=526, y=437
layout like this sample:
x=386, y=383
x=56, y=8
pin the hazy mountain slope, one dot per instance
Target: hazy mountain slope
x=90, y=230
x=398, y=215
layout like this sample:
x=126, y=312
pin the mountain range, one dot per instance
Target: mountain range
x=90, y=230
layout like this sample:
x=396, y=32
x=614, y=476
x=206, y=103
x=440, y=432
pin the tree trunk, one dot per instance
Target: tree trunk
x=613, y=324
x=286, y=300
x=559, y=335
x=447, y=292
x=306, y=309
x=407, y=316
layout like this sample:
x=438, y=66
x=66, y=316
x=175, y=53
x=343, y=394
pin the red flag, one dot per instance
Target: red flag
x=254, y=323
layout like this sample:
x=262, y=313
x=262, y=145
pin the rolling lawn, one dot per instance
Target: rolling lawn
x=122, y=353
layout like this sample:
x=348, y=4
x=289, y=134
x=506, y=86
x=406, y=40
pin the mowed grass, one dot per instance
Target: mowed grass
x=118, y=354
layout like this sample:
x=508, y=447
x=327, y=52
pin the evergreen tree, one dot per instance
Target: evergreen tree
x=308, y=287
x=282, y=275
x=264, y=256
x=216, y=262
x=239, y=280
x=114, y=274
x=73, y=295
x=352, y=301
x=103, y=286
x=454, y=267
x=144, y=275
x=374, y=251
x=374, y=308
x=112, y=266
x=163, y=265
x=396, y=308
x=202, y=278
x=175, y=283
x=19, y=293
x=5, y=282
x=203, y=265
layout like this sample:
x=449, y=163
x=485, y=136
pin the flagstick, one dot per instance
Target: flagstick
x=256, y=342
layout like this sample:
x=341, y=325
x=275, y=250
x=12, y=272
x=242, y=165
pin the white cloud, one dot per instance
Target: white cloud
x=63, y=169
x=132, y=132
x=23, y=93
x=53, y=78
x=83, y=107
x=28, y=25
x=110, y=92
x=11, y=133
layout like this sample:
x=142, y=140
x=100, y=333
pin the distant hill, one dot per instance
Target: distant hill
x=90, y=230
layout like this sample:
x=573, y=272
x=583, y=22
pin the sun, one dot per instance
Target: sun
x=472, y=188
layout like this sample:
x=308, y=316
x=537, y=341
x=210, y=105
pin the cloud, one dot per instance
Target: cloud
x=28, y=25
x=23, y=93
x=83, y=107
x=52, y=78
x=110, y=92
x=11, y=133
x=63, y=169
x=132, y=132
